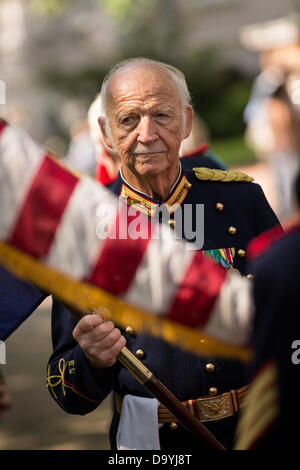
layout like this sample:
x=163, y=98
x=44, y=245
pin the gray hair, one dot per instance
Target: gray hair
x=176, y=74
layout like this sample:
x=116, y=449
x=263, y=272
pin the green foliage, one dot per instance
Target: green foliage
x=128, y=9
x=152, y=28
x=83, y=84
x=219, y=93
x=121, y=10
x=233, y=151
x=49, y=7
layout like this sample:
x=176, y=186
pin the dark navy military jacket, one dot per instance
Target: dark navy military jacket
x=234, y=213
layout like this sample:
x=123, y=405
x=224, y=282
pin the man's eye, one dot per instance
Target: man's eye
x=129, y=120
x=162, y=116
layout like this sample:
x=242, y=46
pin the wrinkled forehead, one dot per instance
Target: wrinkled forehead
x=142, y=83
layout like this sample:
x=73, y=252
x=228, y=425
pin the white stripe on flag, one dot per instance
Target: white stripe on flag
x=163, y=267
x=20, y=159
x=76, y=245
x=231, y=317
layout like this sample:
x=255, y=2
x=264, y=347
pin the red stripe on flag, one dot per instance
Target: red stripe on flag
x=109, y=273
x=198, y=292
x=3, y=124
x=43, y=208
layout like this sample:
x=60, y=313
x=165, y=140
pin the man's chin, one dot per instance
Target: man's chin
x=150, y=169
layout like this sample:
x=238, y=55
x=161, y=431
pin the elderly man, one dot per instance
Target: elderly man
x=147, y=115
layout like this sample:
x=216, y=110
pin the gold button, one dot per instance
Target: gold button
x=129, y=330
x=250, y=276
x=241, y=253
x=210, y=367
x=140, y=353
x=219, y=206
x=188, y=185
x=232, y=230
x=213, y=391
x=172, y=223
x=173, y=426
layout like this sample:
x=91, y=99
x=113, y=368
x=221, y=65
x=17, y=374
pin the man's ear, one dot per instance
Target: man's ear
x=189, y=116
x=107, y=140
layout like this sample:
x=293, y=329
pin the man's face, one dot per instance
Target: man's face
x=145, y=117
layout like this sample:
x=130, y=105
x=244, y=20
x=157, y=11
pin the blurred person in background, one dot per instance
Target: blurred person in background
x=194, y=151
x=284, y=119
x=270, y=420
x=81, y=153
x=271, y=114
x=5, y=398
x=107, y=161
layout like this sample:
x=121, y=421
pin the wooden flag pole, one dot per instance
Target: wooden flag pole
x=159, y=391
x=166, y=398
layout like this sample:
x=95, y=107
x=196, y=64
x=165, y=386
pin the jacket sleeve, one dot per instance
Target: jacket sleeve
x=74, y=385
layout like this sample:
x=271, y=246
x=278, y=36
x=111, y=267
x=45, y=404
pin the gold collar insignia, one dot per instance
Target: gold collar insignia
x=148, y=207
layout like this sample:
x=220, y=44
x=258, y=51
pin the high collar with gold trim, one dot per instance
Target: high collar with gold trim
x=148, y=206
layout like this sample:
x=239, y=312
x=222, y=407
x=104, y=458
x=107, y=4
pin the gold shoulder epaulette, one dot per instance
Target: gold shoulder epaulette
x=226, y=176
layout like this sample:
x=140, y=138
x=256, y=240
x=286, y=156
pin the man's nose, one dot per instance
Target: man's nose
x=146, y=130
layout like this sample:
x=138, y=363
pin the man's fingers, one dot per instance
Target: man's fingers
x=100, y=340
x=87, y=324
x=108, y=357
x=102, y=337
x=97, y=334
x=111, y=338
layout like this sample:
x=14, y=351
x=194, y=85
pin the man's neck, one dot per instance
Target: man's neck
x=156, y=187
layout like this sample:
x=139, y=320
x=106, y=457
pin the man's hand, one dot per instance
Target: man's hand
x=100, y=341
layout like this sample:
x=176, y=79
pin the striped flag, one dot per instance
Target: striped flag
x=57, y=233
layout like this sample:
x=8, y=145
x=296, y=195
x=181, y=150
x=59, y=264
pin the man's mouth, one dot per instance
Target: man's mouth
x=149, y=153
